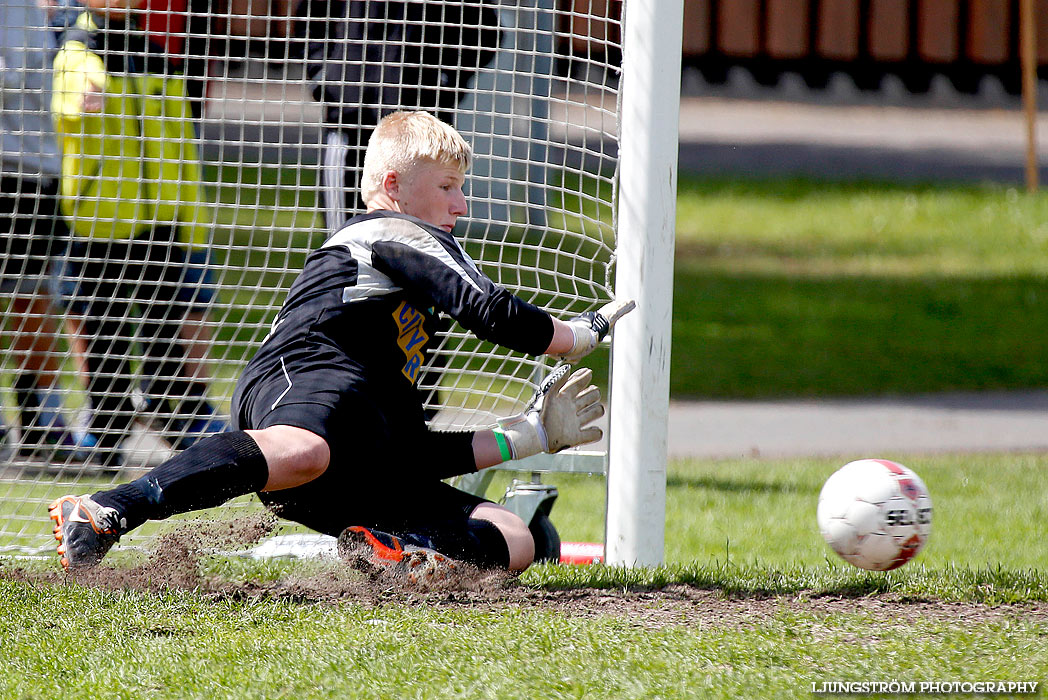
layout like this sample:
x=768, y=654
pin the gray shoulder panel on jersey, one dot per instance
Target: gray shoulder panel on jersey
x=370, y=282
x=360, y=239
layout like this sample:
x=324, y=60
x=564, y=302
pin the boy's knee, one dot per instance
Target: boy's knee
x=521, y=545
x=295, y=456
x=519, y=541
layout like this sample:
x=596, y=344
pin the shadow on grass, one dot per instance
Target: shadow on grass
x=992, y=585
x=781, y=335
x=678, y=480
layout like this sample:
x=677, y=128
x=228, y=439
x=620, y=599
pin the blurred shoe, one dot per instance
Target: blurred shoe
x=105, y=459
x=46, y=435
x=379, y=552
x=84, y=529
x=205, y=423
x=100, y=453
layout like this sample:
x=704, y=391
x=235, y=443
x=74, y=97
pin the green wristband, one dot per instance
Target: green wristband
x=500, y=440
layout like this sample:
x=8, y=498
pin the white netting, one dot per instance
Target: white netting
x=530, y=84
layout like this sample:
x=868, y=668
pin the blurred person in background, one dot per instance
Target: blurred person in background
x=194, y=39
x=369, y=59
x=132, y=192
x=32, y=233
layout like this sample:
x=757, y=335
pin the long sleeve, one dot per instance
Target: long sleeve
x=432, y=264
x=396, y=252
x=76, y=72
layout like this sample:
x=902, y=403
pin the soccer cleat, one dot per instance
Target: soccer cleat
x=84, y=529
x=378, y=552
x=73, y=444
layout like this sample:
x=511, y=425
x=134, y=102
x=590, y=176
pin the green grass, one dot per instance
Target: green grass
x=777, y=334
x=266, y=225
x=772, y=610
x=758, y=516
x=789, y=288
x=762, y=512
x=875, y=228
x=180, y=646
x=803, y=288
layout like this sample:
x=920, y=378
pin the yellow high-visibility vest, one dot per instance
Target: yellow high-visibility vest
x=134, y=165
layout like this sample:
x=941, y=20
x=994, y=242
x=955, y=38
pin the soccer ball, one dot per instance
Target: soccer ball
x=875, y=514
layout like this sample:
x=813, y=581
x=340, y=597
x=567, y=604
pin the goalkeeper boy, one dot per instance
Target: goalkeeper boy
x=328, y=422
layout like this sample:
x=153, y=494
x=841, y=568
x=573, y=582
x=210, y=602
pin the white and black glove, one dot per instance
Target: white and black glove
x=557, y=418
x=591, y=327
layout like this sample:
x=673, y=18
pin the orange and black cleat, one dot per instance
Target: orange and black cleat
x=84, y=529
x=379, y=552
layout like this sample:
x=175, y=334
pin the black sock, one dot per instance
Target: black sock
x=25, y=386
x=480, y=543
x=207, y=474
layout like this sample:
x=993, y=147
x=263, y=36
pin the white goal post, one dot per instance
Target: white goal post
x=649, y=111
x=571, y=194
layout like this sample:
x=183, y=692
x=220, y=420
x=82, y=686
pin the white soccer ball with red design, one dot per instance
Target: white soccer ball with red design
x=875, y=514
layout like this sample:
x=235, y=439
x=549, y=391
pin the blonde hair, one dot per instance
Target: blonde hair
x=403, y=139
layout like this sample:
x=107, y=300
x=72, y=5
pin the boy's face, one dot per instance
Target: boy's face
x=116, y=9
x=433, y=192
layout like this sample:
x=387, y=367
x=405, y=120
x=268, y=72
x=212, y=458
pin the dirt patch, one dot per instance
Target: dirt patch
x=177, y=556
x=176, y=564
x=697, y=607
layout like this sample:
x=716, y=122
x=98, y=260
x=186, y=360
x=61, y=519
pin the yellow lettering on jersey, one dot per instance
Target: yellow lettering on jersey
x=411, y=338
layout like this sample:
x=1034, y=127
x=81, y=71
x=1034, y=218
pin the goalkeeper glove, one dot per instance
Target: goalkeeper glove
x=592, y=327
x=557, y=417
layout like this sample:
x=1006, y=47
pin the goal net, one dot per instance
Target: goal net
x=278, y=97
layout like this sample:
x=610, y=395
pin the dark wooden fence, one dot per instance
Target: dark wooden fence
x=963, y=40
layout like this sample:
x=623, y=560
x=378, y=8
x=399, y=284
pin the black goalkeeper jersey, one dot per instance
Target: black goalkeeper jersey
x=363, y=312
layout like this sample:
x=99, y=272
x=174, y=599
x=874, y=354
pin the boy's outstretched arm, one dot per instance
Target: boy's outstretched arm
x=560, y=416
x=577, y=337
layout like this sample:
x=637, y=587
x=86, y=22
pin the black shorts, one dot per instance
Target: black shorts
x=386, y=466
x=152, y=266
x=32, y=232
x=384, y=505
